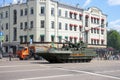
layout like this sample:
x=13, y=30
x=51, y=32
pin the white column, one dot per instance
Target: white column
x=48, y=21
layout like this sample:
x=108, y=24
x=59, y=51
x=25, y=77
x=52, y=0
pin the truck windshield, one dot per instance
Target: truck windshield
x=20, y=48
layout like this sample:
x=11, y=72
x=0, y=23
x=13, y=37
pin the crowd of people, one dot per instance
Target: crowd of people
x=107, y=54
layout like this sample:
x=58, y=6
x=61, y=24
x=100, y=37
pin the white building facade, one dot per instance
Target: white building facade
x=51, y=21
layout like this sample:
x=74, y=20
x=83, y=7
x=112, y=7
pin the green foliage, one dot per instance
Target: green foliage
x=113, y=39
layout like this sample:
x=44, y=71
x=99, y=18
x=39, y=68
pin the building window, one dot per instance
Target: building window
x=92, y=41
x=71, y=39
x=75, y=40
x=102, y=31
x=52, y=11
x=59, y=12
x=21, y=39
x=21, y=12
x=15, y=34
x=66, y=38
x=42, y=10
x=31, y=10
x=75, y=16
x=1, y=15
x=80, y=17
x=66, y=26
x=60, y=25
x=102, y=23
x=31, y=24
x=6, y=38
x=91, y=19
x=25, y=38
x=26, y=11
x=21, y=25
x=97, y=41
x=97, y=31
x=75, y=28
x=32, y=37
x=52, y=24
x=70, y=28
x=2, y=28
x=86, y=21
x=92, y=30
x=26, y=25
x=97, y=21
x=42, y=23
x=66, y=13
x=102, y=42
x=60, y=38
x=6, y=14
x=42, y=38
x=52, y=38
x=70, y=15
x=80, y=28
x=15, y=17
x=6, y=26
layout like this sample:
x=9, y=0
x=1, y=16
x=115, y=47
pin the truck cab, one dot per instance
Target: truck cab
x=22, y=52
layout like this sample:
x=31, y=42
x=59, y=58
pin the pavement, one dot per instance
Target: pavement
x=42, y=70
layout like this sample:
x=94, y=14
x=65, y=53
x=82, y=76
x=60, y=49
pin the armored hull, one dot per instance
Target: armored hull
x=54, y=55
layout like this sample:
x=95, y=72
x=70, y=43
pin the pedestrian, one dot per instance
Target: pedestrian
x=10, y=55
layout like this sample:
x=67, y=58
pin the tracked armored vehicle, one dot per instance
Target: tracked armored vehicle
x=69, y=53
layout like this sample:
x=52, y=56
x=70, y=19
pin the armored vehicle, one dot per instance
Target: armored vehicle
x=68, y=53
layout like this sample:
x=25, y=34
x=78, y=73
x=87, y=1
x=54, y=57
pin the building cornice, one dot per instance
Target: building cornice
x=67, y=6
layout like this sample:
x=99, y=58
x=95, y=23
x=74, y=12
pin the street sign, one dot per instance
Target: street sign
x=1, y=33
x=1, y=38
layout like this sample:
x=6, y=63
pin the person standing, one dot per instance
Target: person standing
x=10, y=54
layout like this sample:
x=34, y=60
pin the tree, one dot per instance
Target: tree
x=113, y=39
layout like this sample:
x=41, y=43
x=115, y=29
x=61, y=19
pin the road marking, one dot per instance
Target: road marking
x=14, y=66
x=47, y=77
x=90, y=73
x=22, y=65
x=24, y=70
x=108, y=71
x=67, y=75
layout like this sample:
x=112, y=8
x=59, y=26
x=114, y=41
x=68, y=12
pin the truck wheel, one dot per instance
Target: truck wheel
x=27, y=57
x=36, y=57
x=20, y=58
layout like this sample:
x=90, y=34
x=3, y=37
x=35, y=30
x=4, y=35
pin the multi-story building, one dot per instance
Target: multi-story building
x=51, y=21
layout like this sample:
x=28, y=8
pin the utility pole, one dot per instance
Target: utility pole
x=9, y=29
x=27, y=23
x=0, y=35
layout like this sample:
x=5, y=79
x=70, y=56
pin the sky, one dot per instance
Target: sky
x=109, y=7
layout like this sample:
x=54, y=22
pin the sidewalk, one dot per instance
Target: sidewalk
x=7, y=59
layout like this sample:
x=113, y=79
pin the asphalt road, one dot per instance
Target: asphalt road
x=42, y=70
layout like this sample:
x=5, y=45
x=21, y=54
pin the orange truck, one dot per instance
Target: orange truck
x=25, y=53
